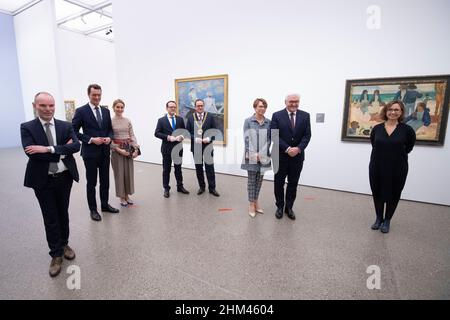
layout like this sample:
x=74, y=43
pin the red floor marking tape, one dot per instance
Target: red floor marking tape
x=225, y=209
x=309, y=198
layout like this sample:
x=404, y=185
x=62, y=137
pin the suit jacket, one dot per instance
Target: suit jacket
x=84, y=118
x=164, y=129
x=192, y=127
x=288, y=137
x=32, y=133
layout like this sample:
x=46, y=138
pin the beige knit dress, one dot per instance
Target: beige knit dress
x=122, y=166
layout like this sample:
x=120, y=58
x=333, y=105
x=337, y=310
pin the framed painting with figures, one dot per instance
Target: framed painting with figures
x=426, y=100
x=213, y=90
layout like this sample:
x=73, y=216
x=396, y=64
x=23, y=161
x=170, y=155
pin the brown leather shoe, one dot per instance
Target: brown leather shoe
x=69, y=254
x=55, y=266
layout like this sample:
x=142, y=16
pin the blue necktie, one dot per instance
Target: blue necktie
x=173, y=123
x=99, y=117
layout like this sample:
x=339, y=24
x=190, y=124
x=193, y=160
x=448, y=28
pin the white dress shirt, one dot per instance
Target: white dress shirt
x=61, y=166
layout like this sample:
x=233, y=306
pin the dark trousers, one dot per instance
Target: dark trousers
x=54, y=203
x=167, y=167
x=210, y=175
x=102, y=165
x=290, y=168
x=391, y=206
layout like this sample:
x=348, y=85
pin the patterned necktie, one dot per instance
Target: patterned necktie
x=99, y=117
x=292, y=120
x=200, y=116
x=53, y=167
x=173, y=122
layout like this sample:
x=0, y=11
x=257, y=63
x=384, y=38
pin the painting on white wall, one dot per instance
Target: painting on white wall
x=426, y=101
x=69, y=106
x=213, y=90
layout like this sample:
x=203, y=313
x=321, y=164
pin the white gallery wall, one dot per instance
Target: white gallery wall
x=35, y=30
x=10, y=89
x=61, y=62
x=85, y=60
x=273, y=47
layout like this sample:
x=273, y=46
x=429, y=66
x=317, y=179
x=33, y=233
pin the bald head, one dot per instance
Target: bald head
x=42, y=93
x=44, y=104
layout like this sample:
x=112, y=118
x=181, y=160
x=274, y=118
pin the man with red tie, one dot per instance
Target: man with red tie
x=294, y=131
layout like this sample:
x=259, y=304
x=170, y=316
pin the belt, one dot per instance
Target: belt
x=58, y=174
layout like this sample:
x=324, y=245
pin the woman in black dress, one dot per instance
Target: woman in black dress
x=391, y=140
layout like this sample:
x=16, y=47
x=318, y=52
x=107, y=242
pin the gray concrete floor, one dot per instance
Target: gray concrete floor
x=185, y=247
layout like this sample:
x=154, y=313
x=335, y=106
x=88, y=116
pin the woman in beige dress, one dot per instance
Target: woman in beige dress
x=124, y=149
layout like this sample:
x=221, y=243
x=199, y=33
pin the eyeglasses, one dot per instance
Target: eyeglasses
x=394, y=110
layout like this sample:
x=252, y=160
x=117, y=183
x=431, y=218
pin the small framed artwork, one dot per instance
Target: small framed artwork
x=69, y=106
x=426, y=100
x=214, y=92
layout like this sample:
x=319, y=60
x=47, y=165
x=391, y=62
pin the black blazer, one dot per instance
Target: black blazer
x=164, y=129
x=84, y=118
x=32, y=133
x=299, y=137
x=209, y=123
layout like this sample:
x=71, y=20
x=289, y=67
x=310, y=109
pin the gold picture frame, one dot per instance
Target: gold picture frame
x=69, y=106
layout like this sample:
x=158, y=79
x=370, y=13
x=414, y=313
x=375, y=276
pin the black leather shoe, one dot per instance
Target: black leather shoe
x=95, y=215
x=385, y=226
x=110, y=209
x=279, y=213
x=166, y=193
x=214, y=193
x=182, y=190
x=200, y=191
x=290, y=213
x=377, y=224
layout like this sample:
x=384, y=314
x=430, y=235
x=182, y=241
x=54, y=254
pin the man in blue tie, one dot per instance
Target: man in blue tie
x=95, y=149
x=169, y=130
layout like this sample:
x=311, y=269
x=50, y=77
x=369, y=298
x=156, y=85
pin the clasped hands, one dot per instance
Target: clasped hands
x=204, y=140
x=293, y=151
x=177, y=138
x=40, y=149
x=99, y=141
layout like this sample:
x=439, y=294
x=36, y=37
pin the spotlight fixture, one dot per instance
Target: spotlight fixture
x=109, y=31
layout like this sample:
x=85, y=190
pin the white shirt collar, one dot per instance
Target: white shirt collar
x=93, y=107
x=43, y=122
x=289, y=113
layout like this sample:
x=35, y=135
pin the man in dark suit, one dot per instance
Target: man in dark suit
x=95, y=150
x=294, y=130
x=202, y=128
x=50, y=144
x=167, y=129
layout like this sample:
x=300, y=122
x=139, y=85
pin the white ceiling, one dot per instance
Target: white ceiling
x=12, y=5
x=88, y=17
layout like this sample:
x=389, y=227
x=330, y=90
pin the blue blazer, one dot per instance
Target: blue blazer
x=297, y=137
x=84, y=118
x=164, y=129
x=32, y=133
